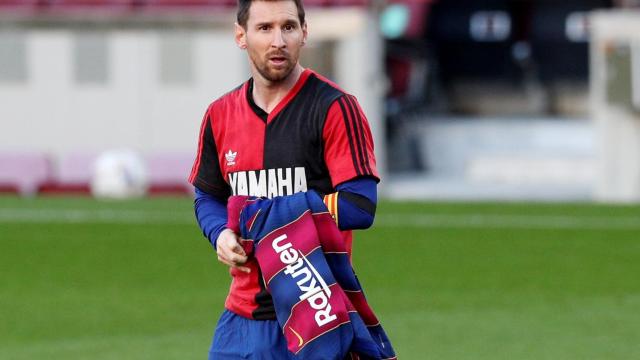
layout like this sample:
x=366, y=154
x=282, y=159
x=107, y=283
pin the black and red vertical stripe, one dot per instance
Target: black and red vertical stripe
x=354, y=123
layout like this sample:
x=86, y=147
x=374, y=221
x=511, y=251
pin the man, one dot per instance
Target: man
x=285, y=130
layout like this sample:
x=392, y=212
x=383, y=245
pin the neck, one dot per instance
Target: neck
x=267, y=94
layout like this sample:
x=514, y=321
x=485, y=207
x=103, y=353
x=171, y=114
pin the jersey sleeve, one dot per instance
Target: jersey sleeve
x=348, y=144
x=205, y=173
x=211, y=214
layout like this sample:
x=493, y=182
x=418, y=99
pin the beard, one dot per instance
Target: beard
x=273, y=73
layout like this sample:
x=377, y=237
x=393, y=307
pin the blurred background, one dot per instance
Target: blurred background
x=467, y=99
x=507, y=135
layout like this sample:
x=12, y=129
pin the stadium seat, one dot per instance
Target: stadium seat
x=188, y=3
x=557, y=55
x=363, y=3
x=99, y=5
x=19, y=6
x=473, y=39
x=89, y=2
x=23, y=173
x=316, y=3
x=168, y=172
x=18, y=3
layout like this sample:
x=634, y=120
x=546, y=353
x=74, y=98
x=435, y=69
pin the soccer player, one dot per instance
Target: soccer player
x=285, y=130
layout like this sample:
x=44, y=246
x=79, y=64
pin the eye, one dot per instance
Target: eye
x=289, y=27
x=263, y=28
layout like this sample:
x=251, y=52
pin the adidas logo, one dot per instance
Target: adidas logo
x=231, y=157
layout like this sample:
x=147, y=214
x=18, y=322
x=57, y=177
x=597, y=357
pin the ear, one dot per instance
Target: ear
x=304, y=33
x=240, y=36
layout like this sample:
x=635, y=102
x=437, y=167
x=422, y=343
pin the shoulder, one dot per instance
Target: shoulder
x=323, y=89
x=321, y=80
x=336, y=100
x=228, y=101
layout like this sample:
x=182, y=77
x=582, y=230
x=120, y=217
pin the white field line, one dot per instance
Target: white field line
x=423, y=220
x=79, y=216
x=503, y=221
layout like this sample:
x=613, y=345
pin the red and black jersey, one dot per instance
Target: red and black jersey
x=316, y=138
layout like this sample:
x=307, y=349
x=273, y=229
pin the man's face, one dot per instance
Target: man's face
x=273, y=38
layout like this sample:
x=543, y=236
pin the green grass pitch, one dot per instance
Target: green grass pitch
x=82, y=279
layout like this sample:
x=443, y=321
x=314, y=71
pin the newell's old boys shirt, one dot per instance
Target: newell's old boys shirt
x=316, y=138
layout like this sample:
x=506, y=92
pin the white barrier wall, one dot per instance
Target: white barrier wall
x=615, y=88
x=53, y=113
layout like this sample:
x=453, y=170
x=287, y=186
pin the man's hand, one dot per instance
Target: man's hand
x=230, y=251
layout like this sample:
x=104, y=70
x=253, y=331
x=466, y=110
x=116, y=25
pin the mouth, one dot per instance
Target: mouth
x=278, y=60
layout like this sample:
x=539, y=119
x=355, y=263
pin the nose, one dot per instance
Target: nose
x=278, y=39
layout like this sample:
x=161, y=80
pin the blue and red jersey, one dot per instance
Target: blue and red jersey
x=319, y=303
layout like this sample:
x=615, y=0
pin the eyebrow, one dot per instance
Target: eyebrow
x=264, y=24
x=287, y=22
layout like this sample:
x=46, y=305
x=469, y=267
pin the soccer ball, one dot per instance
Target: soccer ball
x=119, y=174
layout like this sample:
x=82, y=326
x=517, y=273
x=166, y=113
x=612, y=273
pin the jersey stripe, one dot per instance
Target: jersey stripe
x=359, y=144
x=347, y=126
x=359, y=123
x=196, y=164
x=364, y=142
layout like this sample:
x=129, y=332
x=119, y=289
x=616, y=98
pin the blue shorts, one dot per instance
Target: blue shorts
x=237, y=337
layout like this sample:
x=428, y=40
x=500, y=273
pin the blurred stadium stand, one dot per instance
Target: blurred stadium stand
x=491, y=58
x=459, y=67
x=141, y=5
x=521, y=50
x=24, y=173
x=484, y=80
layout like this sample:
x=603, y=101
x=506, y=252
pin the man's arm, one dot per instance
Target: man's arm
x=206, y=174
x=348, y=143
x=210, y=210
x=350, y=159
x=211, y=213
x=353, y=205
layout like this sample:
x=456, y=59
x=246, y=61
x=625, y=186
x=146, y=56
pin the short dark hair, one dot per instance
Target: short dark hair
x=243, y=11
